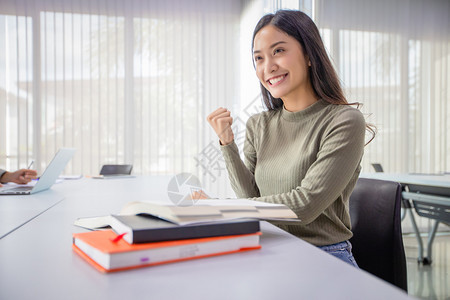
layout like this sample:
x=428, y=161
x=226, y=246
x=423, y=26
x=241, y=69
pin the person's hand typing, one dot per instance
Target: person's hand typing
x=21, y=176
x=221, y=121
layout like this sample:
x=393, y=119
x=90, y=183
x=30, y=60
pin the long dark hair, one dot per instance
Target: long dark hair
x=322, y=75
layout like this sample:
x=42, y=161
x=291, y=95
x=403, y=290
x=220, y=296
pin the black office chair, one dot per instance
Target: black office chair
x=405, y=202
x=377, y=236
x=116, y=169
x=378, y=167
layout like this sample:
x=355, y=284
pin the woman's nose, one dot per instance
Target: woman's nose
x=271, y=66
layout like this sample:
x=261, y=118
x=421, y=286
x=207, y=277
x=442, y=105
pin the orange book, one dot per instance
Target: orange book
x=101, y=250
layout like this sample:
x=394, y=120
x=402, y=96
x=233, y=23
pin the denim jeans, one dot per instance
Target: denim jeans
x=342, y=250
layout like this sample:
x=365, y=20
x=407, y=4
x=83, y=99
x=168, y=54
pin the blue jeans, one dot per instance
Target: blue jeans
x=342, y=250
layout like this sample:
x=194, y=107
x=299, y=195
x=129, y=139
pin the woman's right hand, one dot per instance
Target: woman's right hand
x=221, y=121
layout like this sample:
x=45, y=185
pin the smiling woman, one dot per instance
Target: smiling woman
x=305, y=151
x=282, y=68
x=306, y=39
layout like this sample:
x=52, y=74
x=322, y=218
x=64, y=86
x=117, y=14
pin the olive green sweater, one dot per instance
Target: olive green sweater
x=308, y=160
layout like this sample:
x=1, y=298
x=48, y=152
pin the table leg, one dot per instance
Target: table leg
x=405, y=204
x=403, y=213
x=427, y=260
x=417, y=233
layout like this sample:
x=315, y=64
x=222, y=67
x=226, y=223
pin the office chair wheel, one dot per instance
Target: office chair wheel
x=426, y=261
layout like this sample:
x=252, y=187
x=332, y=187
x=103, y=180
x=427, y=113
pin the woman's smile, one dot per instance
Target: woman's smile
x=274, y=81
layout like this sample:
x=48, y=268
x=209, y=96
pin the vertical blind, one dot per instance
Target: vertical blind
x=120, y=81
x=394, y=57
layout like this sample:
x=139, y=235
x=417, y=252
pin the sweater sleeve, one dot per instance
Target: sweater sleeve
x=242, y=175
x=338, y=161
x=2, y=172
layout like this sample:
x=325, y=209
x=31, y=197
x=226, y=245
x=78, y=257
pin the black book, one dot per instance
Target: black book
x=146, y=228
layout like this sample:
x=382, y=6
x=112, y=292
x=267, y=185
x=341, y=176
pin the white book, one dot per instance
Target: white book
x=202, y=211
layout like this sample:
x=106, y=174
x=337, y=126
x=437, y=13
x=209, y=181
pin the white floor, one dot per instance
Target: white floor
x=429, y=281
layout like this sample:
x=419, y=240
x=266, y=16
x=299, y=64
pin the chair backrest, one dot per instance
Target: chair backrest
x=116, y=169
x=376, y=224
x=378, y=167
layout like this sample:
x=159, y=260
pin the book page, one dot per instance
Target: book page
x=160, y=211
x=93, y=222
x=235, y=202
x=196, y=210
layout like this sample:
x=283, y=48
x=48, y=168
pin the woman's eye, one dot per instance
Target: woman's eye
x=278, y=51
x=258, y=58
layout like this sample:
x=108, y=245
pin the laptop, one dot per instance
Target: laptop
x=47, y=179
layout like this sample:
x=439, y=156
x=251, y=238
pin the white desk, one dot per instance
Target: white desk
x=430, y=195
x=16, y=211
x=37, y=262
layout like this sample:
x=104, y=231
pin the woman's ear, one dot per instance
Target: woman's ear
x=308, y=60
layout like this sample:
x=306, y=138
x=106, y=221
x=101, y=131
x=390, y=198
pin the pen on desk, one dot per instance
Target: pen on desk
x=31, y=163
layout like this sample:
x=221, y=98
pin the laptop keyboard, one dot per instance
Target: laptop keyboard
x=16, y=190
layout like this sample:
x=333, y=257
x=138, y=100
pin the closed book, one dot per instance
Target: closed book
x=145, y=229
x=107, y=254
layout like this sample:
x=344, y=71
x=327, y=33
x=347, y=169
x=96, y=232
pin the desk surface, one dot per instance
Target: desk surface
x=435, y=180
x=37, y=261
x=16, y=211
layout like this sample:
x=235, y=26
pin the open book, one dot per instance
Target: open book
x=203, y=211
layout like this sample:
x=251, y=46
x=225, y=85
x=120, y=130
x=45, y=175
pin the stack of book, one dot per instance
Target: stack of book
x=147, y=234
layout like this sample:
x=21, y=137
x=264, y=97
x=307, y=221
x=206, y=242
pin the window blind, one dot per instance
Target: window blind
x=121, y=81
